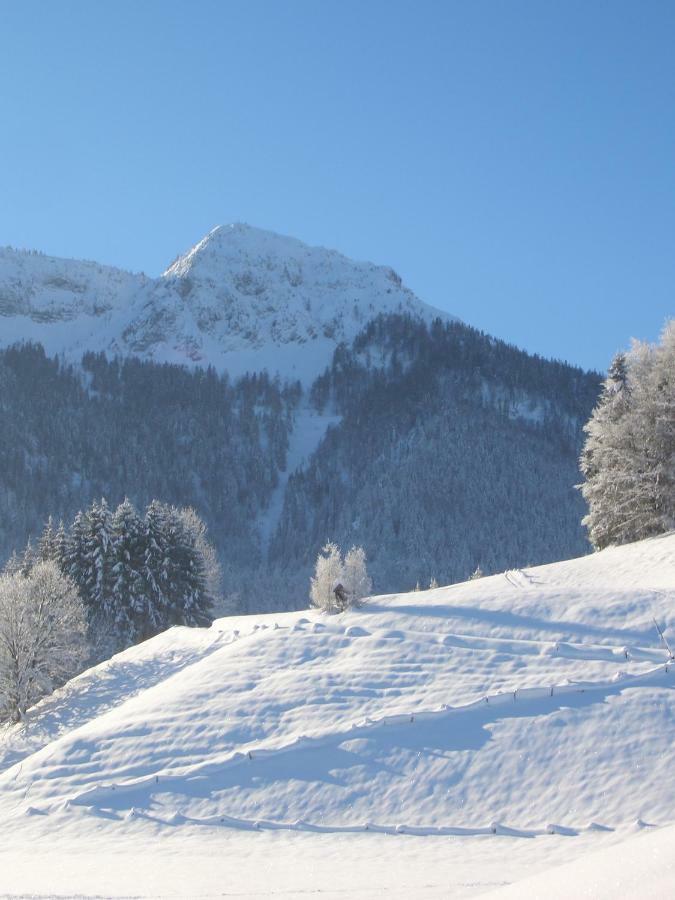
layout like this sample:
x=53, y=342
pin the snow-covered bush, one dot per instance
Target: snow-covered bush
x=477, y=573
x=43, y=629
x=349, y=576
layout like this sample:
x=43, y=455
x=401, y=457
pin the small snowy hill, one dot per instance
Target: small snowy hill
x=533, y=703
x=241, y=299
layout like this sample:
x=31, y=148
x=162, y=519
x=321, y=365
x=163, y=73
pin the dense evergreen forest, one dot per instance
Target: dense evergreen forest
x=135, y=429
x=453, y=450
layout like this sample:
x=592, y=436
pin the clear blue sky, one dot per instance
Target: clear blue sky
x=514, y=161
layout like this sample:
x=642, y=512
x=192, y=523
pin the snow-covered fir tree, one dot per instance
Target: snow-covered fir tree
x=128, y=586
x=186, y=599
x=213, y=575
x=628, y=459
x=156, y=570
x=47, y=545
x=136, y=575
x=76, y=564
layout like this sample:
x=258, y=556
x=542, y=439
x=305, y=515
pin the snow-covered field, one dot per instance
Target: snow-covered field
x=435, y=744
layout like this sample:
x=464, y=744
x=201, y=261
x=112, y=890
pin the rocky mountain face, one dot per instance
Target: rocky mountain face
x=242, y=299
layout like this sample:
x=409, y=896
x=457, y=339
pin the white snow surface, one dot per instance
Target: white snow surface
x=309, y=429
x=639, y=868
x=439, y=743
x=242, y=299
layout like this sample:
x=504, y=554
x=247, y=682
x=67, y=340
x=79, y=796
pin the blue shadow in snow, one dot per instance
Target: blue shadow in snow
x=438, y=737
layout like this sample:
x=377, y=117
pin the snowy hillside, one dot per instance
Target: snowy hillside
x=536, y=703
x=241, y=299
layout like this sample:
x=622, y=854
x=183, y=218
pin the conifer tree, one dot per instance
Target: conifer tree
x=156, y=570
x=128, y=586
x=99, y=560
x=196, y=600
x=61, y=545
x=46, y=549
x=76, y=560
x=628, y=459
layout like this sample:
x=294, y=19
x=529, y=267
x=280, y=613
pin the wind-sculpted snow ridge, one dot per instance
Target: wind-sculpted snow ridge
x=242, y=299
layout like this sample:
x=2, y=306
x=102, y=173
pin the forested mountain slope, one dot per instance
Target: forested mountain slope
x=454, y=451
x=142, y=430
x=448, y=450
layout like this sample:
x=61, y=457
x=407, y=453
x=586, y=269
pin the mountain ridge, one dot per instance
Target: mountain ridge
x=241, y=299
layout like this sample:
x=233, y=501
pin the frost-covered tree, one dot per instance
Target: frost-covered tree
x=42, y=636
x=662, y=395
x=628, y=459
x=357, y=582
x=136, y=575
x=76, y=564
x=179, y=570
x=89, y=562
x=128, y=586
x=213, y=575
x=99, y=559
x=186, y=600
x=477, y=573
x=156, y=566
x=348, y=575
x=609, y=460
x=328, y=573
x=13, y=564
x=46, y=548
x=53, y=545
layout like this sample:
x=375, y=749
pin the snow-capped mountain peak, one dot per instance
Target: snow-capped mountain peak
x=241, y=298
x=233, y=242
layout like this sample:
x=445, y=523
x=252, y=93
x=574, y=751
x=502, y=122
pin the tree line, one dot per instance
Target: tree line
x=136, y=575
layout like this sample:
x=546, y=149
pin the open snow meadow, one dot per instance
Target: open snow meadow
x=443, y=743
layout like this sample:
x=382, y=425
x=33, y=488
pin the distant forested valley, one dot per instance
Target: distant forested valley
x=453, y=450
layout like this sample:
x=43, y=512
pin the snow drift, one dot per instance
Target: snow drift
x=533, y=702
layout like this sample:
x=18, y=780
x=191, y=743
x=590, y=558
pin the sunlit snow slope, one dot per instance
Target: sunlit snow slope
x=641, y=867
x=537, y=700
x=242, y=299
